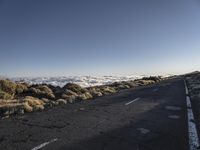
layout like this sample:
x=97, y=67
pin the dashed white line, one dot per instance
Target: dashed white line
x=44, y=144
x=192, y=131
x=133, y=101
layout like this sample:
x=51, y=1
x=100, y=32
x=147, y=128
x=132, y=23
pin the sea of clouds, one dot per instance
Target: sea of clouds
x=84, y=81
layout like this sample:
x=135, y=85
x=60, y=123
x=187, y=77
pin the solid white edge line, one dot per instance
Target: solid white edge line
x=44, y=144
x=192, y=131
x=133, y=101
x=186, y=88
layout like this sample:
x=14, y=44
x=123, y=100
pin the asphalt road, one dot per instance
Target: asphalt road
x=147, y=118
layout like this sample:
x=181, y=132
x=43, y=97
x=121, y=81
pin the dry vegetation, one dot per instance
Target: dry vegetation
x=18, y=98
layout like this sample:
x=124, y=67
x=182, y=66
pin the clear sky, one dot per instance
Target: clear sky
x=104, y=37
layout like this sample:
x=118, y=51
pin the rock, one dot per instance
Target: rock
x=6, y=117
x=62, y=102
x=8, y=109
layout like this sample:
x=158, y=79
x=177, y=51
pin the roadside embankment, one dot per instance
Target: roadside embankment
x=193, y=82
x=19, y=98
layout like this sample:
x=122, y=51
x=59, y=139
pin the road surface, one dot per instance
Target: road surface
x=146, y=118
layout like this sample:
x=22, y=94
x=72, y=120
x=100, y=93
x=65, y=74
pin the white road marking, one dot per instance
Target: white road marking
x=192, y=131
x=44, y=144
x=133, y=101
x=155, y=90
x=186, y=88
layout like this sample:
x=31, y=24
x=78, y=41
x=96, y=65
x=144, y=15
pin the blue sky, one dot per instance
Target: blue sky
x=104, y=37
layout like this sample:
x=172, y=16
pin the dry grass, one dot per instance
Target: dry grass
x=85, y=96
x=106, y=90
x=75, y=88
x=35, y=103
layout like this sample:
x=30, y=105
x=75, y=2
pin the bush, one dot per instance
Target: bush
x=41, y=91
x=153, y=78
x=108, y=90
x=27, y=107
x=144, y=82
x=35, y=103
x=69, y=98
x=75, y=88
x=20, y=88
x=69, y=92
x=46, y=91
x=6, y=96
x=95, y=91
x=85, y=96
x=8, y=87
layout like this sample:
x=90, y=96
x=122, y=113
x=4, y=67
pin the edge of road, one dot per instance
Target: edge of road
x=192, y=129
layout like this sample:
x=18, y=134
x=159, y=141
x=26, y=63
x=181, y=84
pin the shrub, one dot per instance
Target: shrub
x=6, y=96
x=8, y=87
x=69, y=92
x=75, y=88
x=20, y=88
x=41, y=91
x=108, y=90
x=85, y=96
x=35, y=103
x=154, y=78
x=27, y=107
x=70, y=99
x=95, y=91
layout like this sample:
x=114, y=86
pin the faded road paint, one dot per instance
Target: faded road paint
x=155, y=90
x=44, y=144
x=133, y=101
